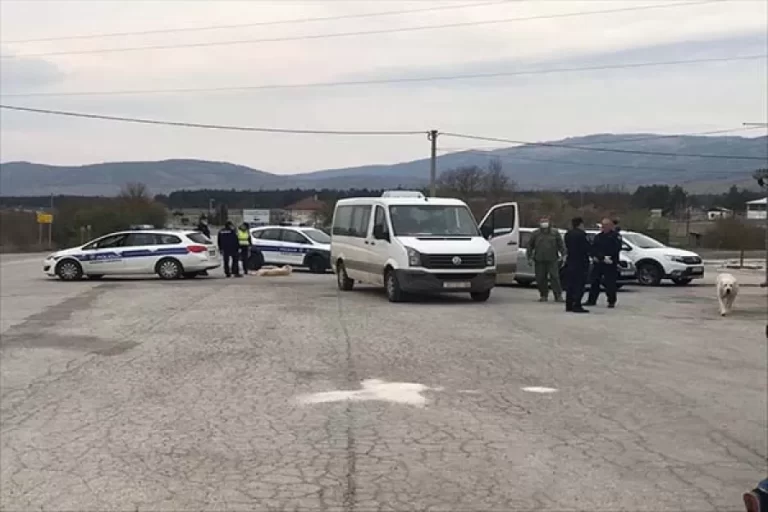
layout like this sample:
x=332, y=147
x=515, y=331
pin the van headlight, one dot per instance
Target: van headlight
x=414, y=257
x=490, y=258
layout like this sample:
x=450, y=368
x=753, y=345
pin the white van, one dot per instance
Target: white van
x=409, y=243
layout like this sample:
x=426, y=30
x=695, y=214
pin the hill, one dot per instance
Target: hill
x=532, y=167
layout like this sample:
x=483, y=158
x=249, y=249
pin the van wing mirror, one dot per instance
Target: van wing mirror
x=379, y=233
x=486, y=230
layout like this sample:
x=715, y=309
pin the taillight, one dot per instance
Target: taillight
x=752, y=502
x=196, y=248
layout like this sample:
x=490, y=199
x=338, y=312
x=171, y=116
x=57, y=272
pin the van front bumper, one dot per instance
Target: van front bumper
x=421, y=281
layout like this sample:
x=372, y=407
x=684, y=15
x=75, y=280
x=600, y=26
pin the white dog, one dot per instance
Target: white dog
x=727, y=290
x=270, y=271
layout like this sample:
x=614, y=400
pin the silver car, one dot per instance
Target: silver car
x=526, y=274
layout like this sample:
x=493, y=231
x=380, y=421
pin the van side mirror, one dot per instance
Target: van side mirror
x=379, y=233
x=487, y=231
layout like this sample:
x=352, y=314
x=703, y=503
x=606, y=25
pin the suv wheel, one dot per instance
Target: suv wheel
x=342, y=279
x=649, y=274
x=316, y=265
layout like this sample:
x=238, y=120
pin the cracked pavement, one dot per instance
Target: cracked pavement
x=173, y=396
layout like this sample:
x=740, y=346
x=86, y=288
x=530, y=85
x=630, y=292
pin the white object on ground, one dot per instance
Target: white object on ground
x=539, y=389
x=407, y=393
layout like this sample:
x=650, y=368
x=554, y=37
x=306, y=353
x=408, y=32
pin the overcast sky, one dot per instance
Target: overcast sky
x=668, y=99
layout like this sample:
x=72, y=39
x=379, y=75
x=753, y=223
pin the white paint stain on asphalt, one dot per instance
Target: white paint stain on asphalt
x=539, y=389
x=406, y=393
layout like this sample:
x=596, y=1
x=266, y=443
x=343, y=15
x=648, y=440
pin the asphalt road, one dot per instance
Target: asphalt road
x=220, y=394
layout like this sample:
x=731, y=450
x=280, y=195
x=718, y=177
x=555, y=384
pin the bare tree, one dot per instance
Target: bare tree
x=135, y=191
x=497, y=184
x=463, y=182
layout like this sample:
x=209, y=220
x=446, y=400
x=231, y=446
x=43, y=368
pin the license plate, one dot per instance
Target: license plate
x=697, y=270
x=212, y=252
x=456, y=284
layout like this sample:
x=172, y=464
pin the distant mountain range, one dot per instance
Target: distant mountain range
x=531, y=166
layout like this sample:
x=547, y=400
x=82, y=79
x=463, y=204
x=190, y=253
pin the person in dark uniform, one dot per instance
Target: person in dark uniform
x=606, y=248
x=577, y=249
x=230, y=249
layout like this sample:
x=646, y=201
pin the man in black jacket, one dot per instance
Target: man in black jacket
x=229, y=247
x=606, y=248
x=577, y=265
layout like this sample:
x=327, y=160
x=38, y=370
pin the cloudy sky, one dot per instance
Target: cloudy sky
x=544, y=106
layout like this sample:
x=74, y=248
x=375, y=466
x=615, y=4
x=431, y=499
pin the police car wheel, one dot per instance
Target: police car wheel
x=69, y=270
x=342, y=279
x=169, y=269
x=316, y=265
x=255, y=261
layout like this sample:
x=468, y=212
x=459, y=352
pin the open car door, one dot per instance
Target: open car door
x=501, y=227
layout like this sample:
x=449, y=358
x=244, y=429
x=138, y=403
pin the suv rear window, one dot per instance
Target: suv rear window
x=199, y=238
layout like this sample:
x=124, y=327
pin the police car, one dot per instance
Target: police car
x=171, y=254
x=291, y=245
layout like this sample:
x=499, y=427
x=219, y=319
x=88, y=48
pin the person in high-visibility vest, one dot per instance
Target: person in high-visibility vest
x=244, y=242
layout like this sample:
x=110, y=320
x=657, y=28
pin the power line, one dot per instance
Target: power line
x=528, y=144
x=590, y=164
x=208, y=126
x=624, y=140
x=254, y=24
x=360, y=33
x=390, y=80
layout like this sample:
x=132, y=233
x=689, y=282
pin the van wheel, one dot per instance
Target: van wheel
x=342, y=279
x=316, y=265
x=394, y=292
x=649, y=274
x=69, y=270
x=481, y=296
x=169, y=268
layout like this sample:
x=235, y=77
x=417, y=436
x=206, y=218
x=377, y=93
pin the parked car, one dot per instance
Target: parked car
x=168, y=253
x=290, y=245
x=655, y=261
x=527, y=276
x=409, y=243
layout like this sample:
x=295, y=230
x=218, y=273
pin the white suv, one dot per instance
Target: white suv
x=655, y=261
x=170, y=254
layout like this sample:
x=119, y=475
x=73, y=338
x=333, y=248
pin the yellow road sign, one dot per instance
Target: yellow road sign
x=44, y=218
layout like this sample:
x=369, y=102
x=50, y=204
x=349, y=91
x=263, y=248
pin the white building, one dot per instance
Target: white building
x=719, y=213
x=756, y=210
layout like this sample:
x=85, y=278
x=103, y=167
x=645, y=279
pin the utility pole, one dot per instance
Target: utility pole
x=50, y=226
x=432, y=137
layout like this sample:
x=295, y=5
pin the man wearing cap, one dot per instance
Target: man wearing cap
x=545, y=250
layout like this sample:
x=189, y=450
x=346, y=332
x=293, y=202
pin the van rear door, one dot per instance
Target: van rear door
x=501, y=227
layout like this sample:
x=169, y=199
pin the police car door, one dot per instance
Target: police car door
x=140, y=253
x=501, y=226
x=103, y=256
x=295, y=247
x=269, y=242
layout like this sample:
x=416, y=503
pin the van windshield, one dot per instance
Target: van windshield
x=432, y=220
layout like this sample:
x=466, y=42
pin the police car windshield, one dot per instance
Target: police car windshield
x=432, y=220
x=317, y=236
x=642, y=241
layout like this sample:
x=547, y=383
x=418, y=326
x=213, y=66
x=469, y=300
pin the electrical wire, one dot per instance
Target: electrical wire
x=206, y=125
x=254, y=24
x=387, y=80
x=360, y=33
x=528, y=144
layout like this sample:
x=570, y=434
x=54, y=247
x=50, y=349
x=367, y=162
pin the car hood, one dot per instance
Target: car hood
x=322, y=247
x=670, y=251
x=65, y=252
x=448, y=244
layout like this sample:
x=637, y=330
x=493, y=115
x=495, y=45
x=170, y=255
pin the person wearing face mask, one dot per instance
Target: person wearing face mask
x=606, y=248
x=545, y=251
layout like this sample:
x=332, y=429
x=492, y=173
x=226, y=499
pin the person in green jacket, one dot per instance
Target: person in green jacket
x=545, y=251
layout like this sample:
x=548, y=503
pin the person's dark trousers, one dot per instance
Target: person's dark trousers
x=576, y=280
x=245, y=253
x=231, y=264
x=605, y=274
